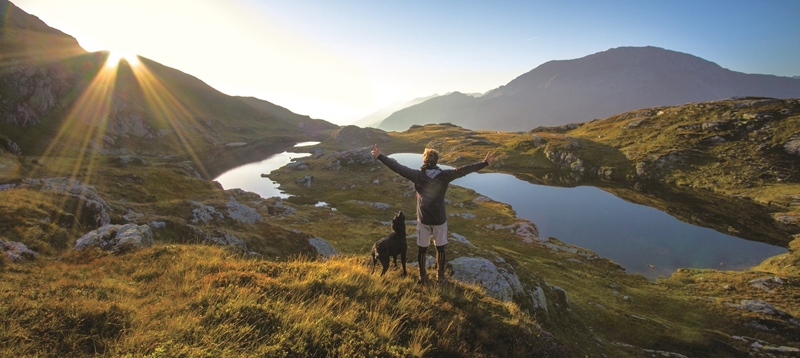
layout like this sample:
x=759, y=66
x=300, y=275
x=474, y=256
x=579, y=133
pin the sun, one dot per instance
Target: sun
x=115, y=56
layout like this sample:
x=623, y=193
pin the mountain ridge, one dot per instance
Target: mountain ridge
x=375, y=118
x=54, y=91
x=596, y=86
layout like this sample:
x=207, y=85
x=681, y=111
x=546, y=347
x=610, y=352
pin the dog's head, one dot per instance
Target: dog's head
x=399, y=222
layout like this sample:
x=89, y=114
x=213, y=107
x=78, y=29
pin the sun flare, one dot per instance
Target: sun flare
x=115, y=56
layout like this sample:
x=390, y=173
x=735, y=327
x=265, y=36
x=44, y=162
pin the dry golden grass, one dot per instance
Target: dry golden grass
x=176, y=300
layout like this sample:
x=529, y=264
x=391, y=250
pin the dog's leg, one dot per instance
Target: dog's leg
x=385, y=263
x=403, y=260
x=374, y=257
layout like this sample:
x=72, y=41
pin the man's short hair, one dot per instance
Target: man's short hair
x=430, y=156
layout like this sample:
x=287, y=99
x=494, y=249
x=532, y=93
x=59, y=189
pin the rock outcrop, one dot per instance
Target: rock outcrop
x=6, y=144
x=382, y=206
x=95, y=211
x=565, y=156
x=117, y=238
x=203, y=213
x=224, y=238
x=793, y=146
x=759, y=306
x=324, y=248
x=498, y=282
x=357, y=156
x=242, y=213
x=17, y=251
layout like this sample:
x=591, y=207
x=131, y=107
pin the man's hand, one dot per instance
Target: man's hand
x=489, y=157
x=375, y=151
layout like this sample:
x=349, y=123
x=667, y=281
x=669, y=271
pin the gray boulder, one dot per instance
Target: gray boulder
x=539, y=299
x=382, y=206
x=789, y=218
x=759, y=306
x=306, y=181
x=17, y=251
x=498, y=282
x=9, y=145
x=242, y=213
x=128, y=159
x=204, y=213
x=792, y=146
x=324, y=248
x=226, y=239
x=527, y=231
x=460, y=238
x=356, y=156
x=564, y=158
x=87, y=194
x=117, y=238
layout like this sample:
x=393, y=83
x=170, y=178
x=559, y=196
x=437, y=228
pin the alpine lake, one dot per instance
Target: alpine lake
x=642, y=239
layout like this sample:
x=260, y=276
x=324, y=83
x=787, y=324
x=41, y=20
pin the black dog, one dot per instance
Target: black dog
x=392, y=245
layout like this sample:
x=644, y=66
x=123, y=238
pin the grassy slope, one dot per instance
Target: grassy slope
x=196, y=300
x=181, y=300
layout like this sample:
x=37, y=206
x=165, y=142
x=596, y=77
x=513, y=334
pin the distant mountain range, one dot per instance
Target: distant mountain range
x=595, y=86
x=54, y=94
x=375, y=118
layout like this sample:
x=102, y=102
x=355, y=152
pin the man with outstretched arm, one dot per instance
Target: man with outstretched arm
x=430, y=183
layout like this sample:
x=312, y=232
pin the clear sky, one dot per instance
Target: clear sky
x=340, y=60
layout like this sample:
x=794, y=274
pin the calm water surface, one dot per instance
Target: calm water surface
x=248, y=176
x=631, y=235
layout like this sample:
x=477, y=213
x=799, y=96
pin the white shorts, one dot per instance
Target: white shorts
x=427, y=232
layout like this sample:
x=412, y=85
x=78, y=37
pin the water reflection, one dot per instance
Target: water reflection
x=306, y=144
x=248, y=177
x=632, y=235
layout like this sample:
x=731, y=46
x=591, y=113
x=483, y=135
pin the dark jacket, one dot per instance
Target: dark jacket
x=431, y=185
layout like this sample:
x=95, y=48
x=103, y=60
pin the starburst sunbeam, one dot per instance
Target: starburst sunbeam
x=89, y=115
x=170, y=110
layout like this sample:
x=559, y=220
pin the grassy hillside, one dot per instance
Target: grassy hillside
x=176, y=300
x=266, y=294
